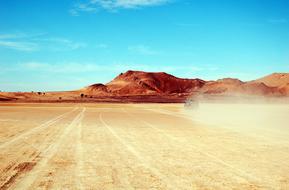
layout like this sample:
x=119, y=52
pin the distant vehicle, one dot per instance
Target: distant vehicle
x=191, y=104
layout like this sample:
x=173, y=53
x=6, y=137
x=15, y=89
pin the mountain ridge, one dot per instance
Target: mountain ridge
x=149, y=83
x=143, y=86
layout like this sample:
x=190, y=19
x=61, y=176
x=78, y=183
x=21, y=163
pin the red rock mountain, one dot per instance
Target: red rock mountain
x=150, y=83
x=139, y=86
x=146, y=83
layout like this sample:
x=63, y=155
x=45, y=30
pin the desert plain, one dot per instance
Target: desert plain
x=144, y=146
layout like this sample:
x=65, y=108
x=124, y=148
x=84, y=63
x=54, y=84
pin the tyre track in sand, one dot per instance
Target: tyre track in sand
x=171, y=184
x=79, y=173
x=90, y=162
x=36, y=129
x=27, y=181
x=24, y=155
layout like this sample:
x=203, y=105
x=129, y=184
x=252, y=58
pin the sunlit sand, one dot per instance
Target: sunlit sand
x=144, y=146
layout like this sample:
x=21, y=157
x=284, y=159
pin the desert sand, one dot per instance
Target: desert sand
x=144, y=146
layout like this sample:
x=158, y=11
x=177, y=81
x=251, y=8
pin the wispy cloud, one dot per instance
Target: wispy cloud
x=18, y=41
x=116, y=67
x=128, y=4
x=67, y=67
x=143, y=50
x=60, y=44
x=113, y=5
x=20, y=46
x=9, y=36
x=278, y=21
x=77, y=67
x=20, y=35
x=24, y=42
x=101, y=46
x=83, y=7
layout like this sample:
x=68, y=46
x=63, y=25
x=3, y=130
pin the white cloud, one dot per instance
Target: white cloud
x=20, y=35
x=9, y=36
x=76, y=67
x=21, y=46
x=67, y=67
x=60, y=44
x=83, y=7
x=128, y=3
x=142, y=49
x=116, y=67
x=86, y=7
x=112, y=5
x=36, y=42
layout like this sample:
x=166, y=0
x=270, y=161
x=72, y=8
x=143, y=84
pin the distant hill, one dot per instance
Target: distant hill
x=229, y=86
x=160, y=83
x=222, y=86
x=4, y=97
x=146, y=83
x=139, y=86
x=275, y=79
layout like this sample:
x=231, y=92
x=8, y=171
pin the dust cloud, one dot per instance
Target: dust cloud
x=252, y=117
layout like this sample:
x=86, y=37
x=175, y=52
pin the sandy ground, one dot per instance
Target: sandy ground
x=144, y=146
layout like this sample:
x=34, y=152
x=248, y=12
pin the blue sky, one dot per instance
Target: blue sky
x=68, y=44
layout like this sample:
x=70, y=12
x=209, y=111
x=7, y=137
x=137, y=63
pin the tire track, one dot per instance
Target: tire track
x=36, y=129
x=88, y=168
x=168, y=182
x=47, y=154
x=25, y=156
x=79, y=173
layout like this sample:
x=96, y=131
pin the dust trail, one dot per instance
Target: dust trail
x=36, y=129
x=47, y=155
x=243, y=174
x=133, y=151
x=226, y=125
